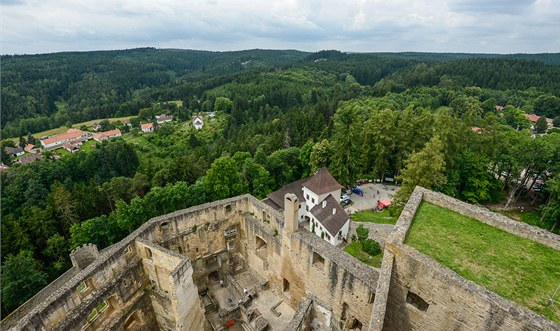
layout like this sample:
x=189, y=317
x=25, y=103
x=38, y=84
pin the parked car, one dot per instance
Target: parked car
x=539, y=185
x=345, y=202
x=362, y=181
x=358, y=191
x=344, y=197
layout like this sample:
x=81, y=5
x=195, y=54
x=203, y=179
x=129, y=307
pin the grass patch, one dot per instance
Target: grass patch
x=382, y=217
x=355, y=249
x=178, y=103
x=87, y=146
x=518, y=269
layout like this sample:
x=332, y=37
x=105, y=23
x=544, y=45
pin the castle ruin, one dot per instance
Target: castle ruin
x=242, y=265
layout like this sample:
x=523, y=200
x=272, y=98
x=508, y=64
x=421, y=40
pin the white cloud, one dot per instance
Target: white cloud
x=35, y=26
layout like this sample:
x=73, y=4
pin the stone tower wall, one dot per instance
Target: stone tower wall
x=84, y=255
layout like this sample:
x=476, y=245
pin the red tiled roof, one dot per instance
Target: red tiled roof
x=499, y=108
x=532, y=117
x=70, y=134
x=476, y=129
x=29, y=147
x=106, y=134
x=147, y=126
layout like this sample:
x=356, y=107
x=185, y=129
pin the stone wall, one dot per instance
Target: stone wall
x=148, y=279
x=117, y=277
x=377, y=232
x=116, y=280
x=12, y=319
x=302, y=318
x=452, y=302
x=417, y=293
x=307, y=265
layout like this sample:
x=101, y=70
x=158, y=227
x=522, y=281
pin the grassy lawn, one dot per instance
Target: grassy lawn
x=518, y=269
x=355, y=249
x=87, y=146
x=382, y=217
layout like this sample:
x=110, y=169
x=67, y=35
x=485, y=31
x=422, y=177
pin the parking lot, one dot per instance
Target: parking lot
x=372, y=193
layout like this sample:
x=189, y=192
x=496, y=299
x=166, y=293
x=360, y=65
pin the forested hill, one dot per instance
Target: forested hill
x=551, y=58
x=41, y=92
x=96, y=84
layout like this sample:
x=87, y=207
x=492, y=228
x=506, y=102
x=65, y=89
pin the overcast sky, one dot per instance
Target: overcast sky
x=473, y=26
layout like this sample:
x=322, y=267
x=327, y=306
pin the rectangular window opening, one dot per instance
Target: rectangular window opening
x=416, y=301
x=318, y=261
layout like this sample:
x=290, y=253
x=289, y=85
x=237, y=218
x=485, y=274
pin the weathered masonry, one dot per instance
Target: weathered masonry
x=414, y=292
x=240, y=262
x=181, y=271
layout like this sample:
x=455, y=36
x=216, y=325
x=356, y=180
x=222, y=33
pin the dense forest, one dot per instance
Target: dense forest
x=426, y=119
x=41, y=92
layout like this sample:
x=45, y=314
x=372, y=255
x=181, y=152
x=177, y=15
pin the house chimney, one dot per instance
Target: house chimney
x=334, y=211
x=324, y=203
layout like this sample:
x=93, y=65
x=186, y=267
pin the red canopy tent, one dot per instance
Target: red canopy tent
x=384, y=204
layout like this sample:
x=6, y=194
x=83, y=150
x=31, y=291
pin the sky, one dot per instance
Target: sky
x=471, y=26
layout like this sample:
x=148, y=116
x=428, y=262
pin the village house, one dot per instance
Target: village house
x=14, y=151
x=148, y=127
x=72, y=147
x=96, y=126
x=126, y=123
x=499, y=108
x=533, y=118
x=72, y=135
x=30, y=148
x=319, y=207
x=101, y=136
x=164, y=118
x=198, y=122
x=30, y=158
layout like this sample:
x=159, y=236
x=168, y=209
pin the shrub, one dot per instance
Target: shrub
x=371, y=247
x=362, y=233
